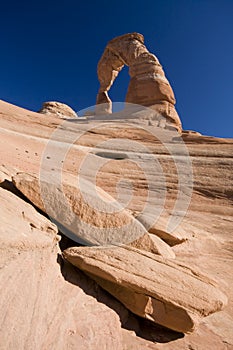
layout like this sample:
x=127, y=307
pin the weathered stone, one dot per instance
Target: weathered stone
x=58, y=109
x=163, y=291
x=148, y=85
x=83, y=224
x=206, y=229
x=87, y=215
x=6, y=173
x=152, y=243
x=22, y=227
x=43, y=305
x=160, y=230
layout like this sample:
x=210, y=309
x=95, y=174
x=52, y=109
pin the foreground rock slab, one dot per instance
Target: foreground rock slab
x=166, y=292
x=43, y=305
x=86, y=215
x=83, y=224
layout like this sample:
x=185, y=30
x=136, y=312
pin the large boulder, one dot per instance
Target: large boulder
x=97, y=224
x=164, y=291
x=85, y=214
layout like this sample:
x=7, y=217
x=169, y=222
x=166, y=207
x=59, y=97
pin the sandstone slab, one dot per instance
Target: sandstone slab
x=166, y=292
x=85, y=214
x=152, y=243
x=43, y=305
x=6, y=173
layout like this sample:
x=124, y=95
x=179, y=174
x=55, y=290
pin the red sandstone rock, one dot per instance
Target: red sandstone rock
x=148, y=85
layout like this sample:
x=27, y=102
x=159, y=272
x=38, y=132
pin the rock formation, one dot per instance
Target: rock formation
x=165, y=292
x=97, y=227
x=57, y=109
x=39, y=301
x=62, y=307
x=148, y=85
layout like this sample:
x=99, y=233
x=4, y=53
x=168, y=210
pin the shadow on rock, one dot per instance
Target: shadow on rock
x=142, y=328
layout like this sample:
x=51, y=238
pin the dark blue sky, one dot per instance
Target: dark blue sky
x=50, y=50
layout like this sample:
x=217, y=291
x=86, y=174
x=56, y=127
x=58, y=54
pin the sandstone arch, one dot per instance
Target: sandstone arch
x=148, y=85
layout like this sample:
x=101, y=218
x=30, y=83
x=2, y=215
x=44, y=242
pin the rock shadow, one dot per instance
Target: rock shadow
x=143, y=328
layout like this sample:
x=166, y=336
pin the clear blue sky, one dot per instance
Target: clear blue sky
x=50, y=50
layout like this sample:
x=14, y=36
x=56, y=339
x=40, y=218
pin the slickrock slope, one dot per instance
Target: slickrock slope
x=204, y=233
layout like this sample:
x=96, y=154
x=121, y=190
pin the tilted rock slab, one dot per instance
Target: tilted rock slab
x=85, y=215
x=166, y=292
x=148, y=85
x=81, y=222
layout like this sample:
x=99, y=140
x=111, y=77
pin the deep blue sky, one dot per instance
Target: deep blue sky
x=50, y=50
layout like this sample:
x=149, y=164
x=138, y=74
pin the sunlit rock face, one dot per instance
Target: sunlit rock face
x=58, y=109
x=174, y=275
x=148, y=85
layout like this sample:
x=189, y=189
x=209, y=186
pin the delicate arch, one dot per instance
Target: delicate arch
x=148, y=85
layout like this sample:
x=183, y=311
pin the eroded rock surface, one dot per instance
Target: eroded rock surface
x=152, y=287
x=83, y=215
x=148, y=85
x=58, y=109
x=83, y=223
x=204, y=234
x=43, y=307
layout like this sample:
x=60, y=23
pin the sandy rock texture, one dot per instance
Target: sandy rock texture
x=148, y=85
x=32, y=276
x=98, y=224
x=197, y=233
x=38, y=292
x=57, y=109
x=165, y=292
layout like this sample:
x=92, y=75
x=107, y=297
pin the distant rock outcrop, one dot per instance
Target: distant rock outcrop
x=148, y=85
x=58, y=109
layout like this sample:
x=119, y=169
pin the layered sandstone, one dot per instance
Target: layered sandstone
x=148, y=85
x=85, y=219
x=39, y=298
x=166, y=292
x=202, y=240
